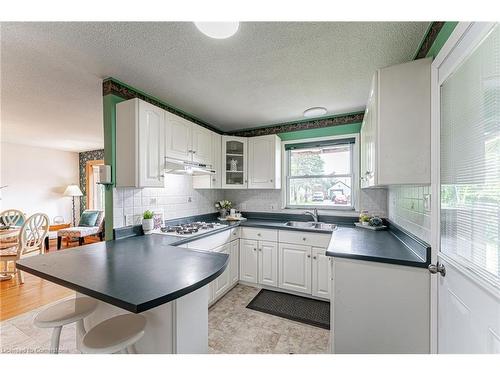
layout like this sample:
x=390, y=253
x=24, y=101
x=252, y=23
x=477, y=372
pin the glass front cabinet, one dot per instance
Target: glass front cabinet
x=234, y=162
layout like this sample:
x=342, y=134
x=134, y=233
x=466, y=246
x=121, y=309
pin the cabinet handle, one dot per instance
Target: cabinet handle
x=193, y=151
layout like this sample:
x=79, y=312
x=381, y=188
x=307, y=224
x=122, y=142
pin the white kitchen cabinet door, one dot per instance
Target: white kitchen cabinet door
x=268, y=263
x=234, y=259
x=264, y=162
x=178, y=138
x=295, y=267
x=201, y=144
x=321, y=273
x=234, y=162
x=140, y=136
x=248, y=261
x=211, y=292
x=222, y=282
x=151, y=145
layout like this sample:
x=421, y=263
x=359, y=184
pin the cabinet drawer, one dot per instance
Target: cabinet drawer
x=305, y=238
x=259, y=234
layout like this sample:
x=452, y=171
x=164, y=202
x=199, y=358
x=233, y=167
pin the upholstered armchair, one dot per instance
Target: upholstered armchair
x=91, y=223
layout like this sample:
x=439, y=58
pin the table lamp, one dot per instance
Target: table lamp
x=73, y=191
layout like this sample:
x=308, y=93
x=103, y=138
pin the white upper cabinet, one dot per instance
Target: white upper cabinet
x=201, y=145
x=178, y=137
x=264, y=162
x=187, y=141
x=213, y=181
x=140, y=148
x=395, y=135
x=234, y=162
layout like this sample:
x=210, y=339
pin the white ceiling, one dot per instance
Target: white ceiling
x=267, y=73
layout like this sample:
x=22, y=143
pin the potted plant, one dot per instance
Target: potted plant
x=147, y=221
x=364, y=219
x=223, y=206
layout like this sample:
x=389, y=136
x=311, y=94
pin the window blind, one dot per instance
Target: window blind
x=470, y=160
x=314, y=144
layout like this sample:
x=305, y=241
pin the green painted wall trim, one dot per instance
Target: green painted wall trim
x=441, y=38
x=322, y=132
x=109, y=122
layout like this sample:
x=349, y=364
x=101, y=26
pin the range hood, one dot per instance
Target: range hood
x=191, y=168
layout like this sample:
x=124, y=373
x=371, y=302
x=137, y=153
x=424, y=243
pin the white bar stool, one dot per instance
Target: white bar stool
x=118, y=334
x=63, y=313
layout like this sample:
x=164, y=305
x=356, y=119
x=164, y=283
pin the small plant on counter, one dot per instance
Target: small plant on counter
x=223, y=205
x=147, y=221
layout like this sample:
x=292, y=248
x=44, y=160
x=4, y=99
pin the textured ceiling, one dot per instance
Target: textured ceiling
x=267, y=73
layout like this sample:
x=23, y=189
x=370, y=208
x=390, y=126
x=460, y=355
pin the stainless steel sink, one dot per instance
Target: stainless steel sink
x=311, y=225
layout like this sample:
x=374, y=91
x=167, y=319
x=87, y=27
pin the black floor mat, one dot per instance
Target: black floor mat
x=289, y=306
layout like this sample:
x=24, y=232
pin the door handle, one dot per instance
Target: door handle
x=435, y=268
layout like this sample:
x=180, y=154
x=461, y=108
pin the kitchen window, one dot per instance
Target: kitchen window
x=321, y=173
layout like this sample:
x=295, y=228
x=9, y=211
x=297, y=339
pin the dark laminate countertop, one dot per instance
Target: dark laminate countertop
x=378, y=246
x=136, y=273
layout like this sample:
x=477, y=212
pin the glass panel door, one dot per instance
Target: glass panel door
x=235, y=163
x=470, y=161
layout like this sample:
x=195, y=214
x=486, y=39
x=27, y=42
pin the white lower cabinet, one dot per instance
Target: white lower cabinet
x=295, y=267
x=222, y=283
x=321, y=273
x=268, y=263
x=248, y=261
x=234, y=259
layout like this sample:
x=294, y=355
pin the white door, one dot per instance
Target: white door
x=261, y=162
x=268, y=263
x=321, y=273
x=151, y=145
x=216, y=179
x=465, y=305
x=295, y=267
x=178, y=137
x=201, y=144
x=222, y=282
x=248, y=261
x=234, y=262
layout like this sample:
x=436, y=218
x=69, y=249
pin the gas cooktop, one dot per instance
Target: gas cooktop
x=189, y=229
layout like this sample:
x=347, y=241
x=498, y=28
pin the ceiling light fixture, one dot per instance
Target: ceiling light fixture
x=218, y=30
x=315, y=112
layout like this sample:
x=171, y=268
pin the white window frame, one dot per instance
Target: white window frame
x=355, y=173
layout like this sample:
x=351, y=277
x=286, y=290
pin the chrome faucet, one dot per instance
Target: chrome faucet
x=314, y=214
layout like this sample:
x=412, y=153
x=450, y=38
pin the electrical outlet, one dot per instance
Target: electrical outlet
x=129, y=220
x=272, y=206
x=243, y=206
x=152, y=201
x=190, y=199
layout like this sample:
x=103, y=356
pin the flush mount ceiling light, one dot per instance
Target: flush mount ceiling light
x=315, y=112
x=218, y=30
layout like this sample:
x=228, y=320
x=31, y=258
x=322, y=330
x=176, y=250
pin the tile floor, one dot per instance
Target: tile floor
x=232, y=329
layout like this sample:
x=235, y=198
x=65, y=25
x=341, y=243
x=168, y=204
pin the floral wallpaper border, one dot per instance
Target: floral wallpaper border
x=83, y=158
x=429, y=39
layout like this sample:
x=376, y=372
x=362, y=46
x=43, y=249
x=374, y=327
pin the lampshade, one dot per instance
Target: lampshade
x=73, y=191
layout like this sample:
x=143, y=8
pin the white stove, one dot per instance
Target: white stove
x=189, y=229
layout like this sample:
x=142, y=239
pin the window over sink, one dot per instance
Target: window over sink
x=321, y=173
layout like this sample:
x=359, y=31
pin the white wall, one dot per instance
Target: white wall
x=406, y=209
x=177, y=199
x=36, y=179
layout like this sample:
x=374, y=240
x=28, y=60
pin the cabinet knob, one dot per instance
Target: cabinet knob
x=193, y=151
x=314, y=257
x=254, y=249
x=308, y=255
x=258, y=234
x=213, y=179
x=271, y=180
x=303, y=238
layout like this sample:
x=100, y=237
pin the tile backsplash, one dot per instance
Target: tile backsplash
x=177, y=199
x=373, y=200
x=406, y=208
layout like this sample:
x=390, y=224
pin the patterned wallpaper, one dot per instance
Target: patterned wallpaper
x=83, y=158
